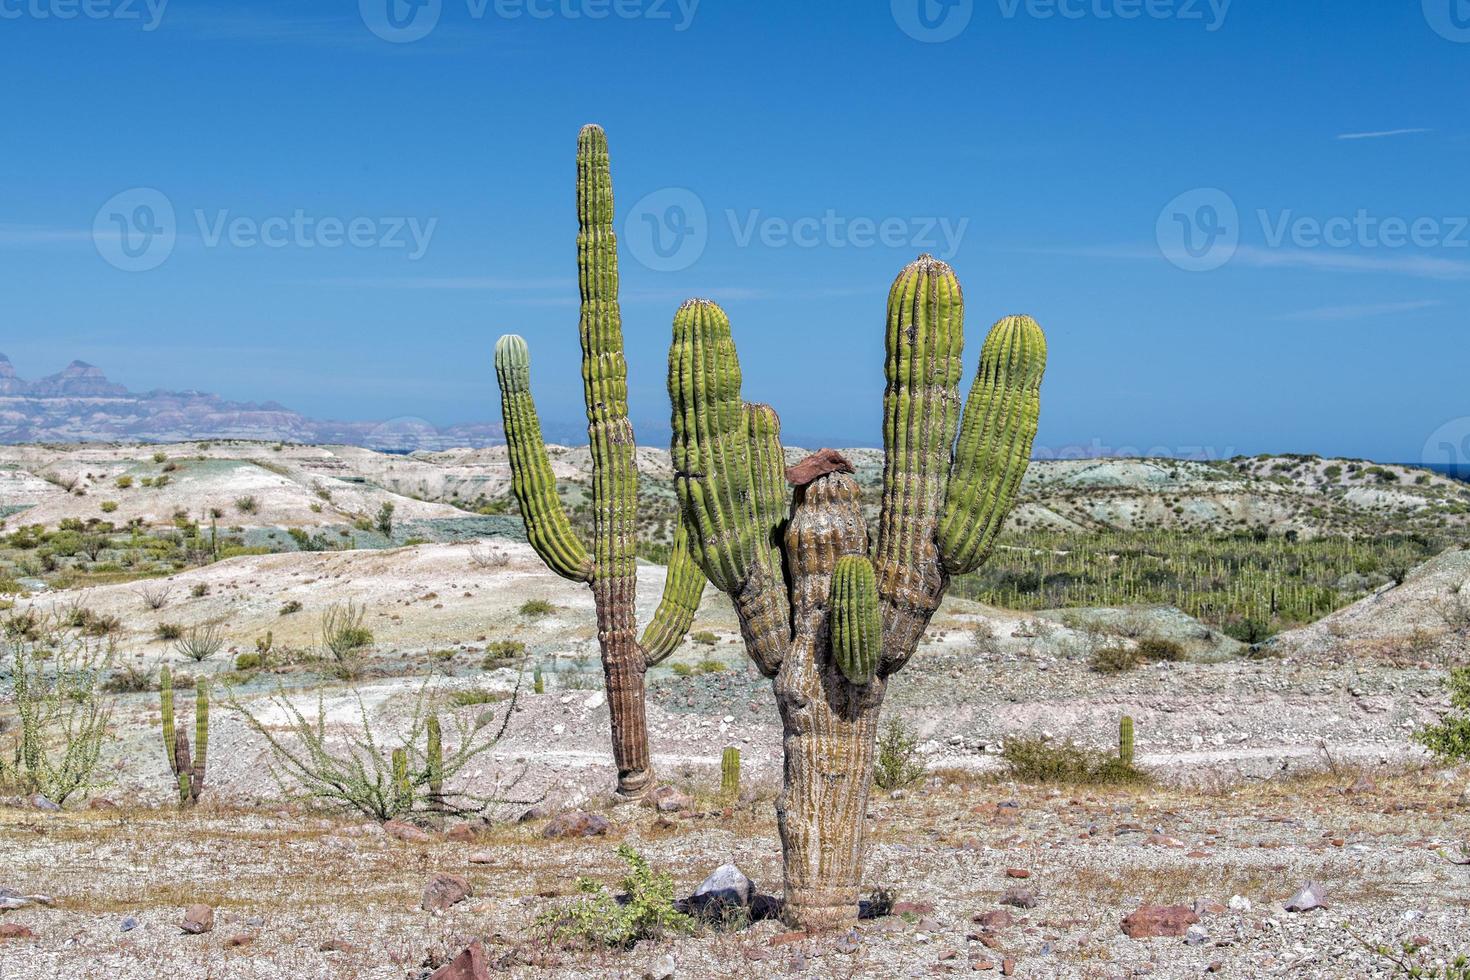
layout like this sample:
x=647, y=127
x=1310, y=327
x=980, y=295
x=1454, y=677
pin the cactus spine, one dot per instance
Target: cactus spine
x=610, y=566
x=188, y=771
x=1125, y=741
x=730, y=773
x=826, y=617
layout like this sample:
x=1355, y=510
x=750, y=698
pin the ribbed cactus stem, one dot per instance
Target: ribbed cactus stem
x=166, y=710
x=1125, y=740
x=730, y=773
x=921, y=410
x=402, y=789
x=201, y=738
x=532, y=481
x=434, y=758
x=538, y=682
x=683, y=588
x=995, y=440
x=857, y=629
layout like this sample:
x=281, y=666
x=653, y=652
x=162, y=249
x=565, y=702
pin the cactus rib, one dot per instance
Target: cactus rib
x=857, y=628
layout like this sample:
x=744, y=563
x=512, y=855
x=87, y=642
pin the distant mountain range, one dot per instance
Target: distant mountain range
x=79, y=404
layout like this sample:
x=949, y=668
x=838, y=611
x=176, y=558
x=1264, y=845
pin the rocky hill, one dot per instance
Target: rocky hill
x=79, y=404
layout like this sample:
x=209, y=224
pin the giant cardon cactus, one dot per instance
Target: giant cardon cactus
x=825, y=612
x=609, y=566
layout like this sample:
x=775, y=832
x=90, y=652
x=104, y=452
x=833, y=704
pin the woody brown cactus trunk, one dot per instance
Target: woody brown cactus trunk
x=825, y=615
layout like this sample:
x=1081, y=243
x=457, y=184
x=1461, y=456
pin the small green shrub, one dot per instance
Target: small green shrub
x=169, y=632
x=711, y=666
x=200, y=643
x=288, y=608
x=199, y=591
x=123, y=482
x=108, y=506
x=1155, y=649
x=898, y=764
x=1115, y=660
x=704, y=638
x=160, y=457
x=499, y=651
x=1039, y=760
x=247, y=661
x=1450, y=738
x=681, y=669
x=599, y=918
x=247, y=505
x=536, y=608
x=469, y=697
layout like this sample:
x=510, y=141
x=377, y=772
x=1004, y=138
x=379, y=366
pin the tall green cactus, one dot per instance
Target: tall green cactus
x=188, y=772
x=1125, y=741
x=825, y=614
x=610, y=566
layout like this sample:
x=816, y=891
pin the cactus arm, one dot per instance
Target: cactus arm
x=857, y=627
x=683, y=588
x=994, y=447
x=714, y=475
x=534, y=485
x=924, y=343
x=201, y=738
x=166, y=709
x=1125, y=741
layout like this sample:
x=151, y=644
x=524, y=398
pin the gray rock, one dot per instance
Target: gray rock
x=1196, y=936
x=661, y=969
x=128, y=924
x=725, y=888
x=41, y=803
x=1021, y=898
x=1310, y=896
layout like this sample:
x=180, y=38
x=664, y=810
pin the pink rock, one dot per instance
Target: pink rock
x=1159, y=920
x=198, y=919
x=405, y=831
x=444, y=891
x=576, y=823
x=470, y=964
x=817, y=465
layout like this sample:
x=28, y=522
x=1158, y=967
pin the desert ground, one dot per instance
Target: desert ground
x=1273, y=761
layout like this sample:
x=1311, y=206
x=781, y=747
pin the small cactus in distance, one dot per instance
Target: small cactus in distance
x=188, y=769
x=1125, y=741
x=434, y=758
x=538, y=681
x=730, y=773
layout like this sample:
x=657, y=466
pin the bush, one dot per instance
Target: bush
x=247, y=661
x=1155, y=649
x=383, y=523
x=681, y=669
x=200, y=643
x=346, y=639
x=247, y=505
x=646, y=911
x=288, y=608
x=130, y=679
x=61, y=718
x=108, y=506
x=168, y=632
x=704, y=638
x=711, y=666
x=472, y=696
x=123, y=482
x=350, y=770
x=1115, y=660
x=1450, y=739
x=500, y=651
x=897, y=765
x=1038, y=760
x=536, y=608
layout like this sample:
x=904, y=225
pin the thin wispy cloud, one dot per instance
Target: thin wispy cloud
x=20, y=236
x=481, y=283
x=1361, y=311
x=1382, y=134
x=1254, y=256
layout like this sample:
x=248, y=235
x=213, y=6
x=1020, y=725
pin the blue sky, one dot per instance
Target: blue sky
x=1057, y=152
